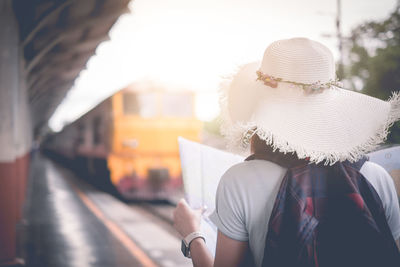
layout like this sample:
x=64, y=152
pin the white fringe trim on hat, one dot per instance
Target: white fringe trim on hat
x=239, y=134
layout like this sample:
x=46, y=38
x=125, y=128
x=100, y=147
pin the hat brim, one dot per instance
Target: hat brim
x=330, y=126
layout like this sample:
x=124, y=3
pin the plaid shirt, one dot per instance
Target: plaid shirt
x=326, y=216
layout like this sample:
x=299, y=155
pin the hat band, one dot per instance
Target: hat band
x=307, y=87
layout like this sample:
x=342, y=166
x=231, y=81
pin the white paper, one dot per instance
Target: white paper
x=202, y=168
x=388, y=158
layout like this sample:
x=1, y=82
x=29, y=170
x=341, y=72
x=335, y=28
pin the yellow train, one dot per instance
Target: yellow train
x=129, y=141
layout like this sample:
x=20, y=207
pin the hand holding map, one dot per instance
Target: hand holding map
x=202, y=168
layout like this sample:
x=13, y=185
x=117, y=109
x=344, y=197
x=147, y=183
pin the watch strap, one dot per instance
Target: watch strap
x=185, y=247
x=190, y=237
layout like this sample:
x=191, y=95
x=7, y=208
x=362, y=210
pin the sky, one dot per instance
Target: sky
x=196, y=44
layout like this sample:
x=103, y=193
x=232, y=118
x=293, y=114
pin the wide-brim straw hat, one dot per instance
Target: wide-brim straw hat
x=293, y=101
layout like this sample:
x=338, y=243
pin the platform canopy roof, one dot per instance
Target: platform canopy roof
x=57, y=38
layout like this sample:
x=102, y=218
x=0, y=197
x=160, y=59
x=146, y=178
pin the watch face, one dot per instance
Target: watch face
x=185, y=250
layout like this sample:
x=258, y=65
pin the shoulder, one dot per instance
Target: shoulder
x=382, y=182
x=377, y=176
x=370, y=168
x=242, y=196
x=384, y=186
x=245, y=180
x=246, y=172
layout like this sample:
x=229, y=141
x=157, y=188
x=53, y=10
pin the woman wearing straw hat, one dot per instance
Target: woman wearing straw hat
x=307, y=196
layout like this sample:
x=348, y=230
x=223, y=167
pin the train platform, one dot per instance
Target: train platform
x=69, y=223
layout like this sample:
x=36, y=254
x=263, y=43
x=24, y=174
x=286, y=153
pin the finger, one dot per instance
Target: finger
x=182, y=201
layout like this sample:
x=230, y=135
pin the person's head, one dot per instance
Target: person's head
x=293, y=102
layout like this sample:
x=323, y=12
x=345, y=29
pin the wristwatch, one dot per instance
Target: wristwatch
x=185, y=246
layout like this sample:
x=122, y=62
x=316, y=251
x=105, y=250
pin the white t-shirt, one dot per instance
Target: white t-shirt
x=246, y=195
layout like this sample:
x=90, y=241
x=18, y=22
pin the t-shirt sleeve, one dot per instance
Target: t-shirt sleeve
x=229, y=215
x=392, y=208
x=384, y=186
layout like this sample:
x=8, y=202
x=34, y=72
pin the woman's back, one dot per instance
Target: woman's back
x=247, y=192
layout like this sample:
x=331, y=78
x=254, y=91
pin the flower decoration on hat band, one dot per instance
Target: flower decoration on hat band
x=246, y=138
x=307, y=87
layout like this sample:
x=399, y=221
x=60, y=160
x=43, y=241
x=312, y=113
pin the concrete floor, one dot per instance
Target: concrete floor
x=69, y=223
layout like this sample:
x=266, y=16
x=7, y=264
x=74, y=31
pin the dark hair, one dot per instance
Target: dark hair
x=259, y=146
x=260, y=149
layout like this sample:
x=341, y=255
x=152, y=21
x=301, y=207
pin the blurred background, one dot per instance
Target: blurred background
x=103, y=88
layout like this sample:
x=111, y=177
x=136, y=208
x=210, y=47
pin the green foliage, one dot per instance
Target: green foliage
x=375, y=60
x=213, y=126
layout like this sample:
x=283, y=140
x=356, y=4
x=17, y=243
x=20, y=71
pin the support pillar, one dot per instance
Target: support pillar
x=22, y=135
x=9, y=85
